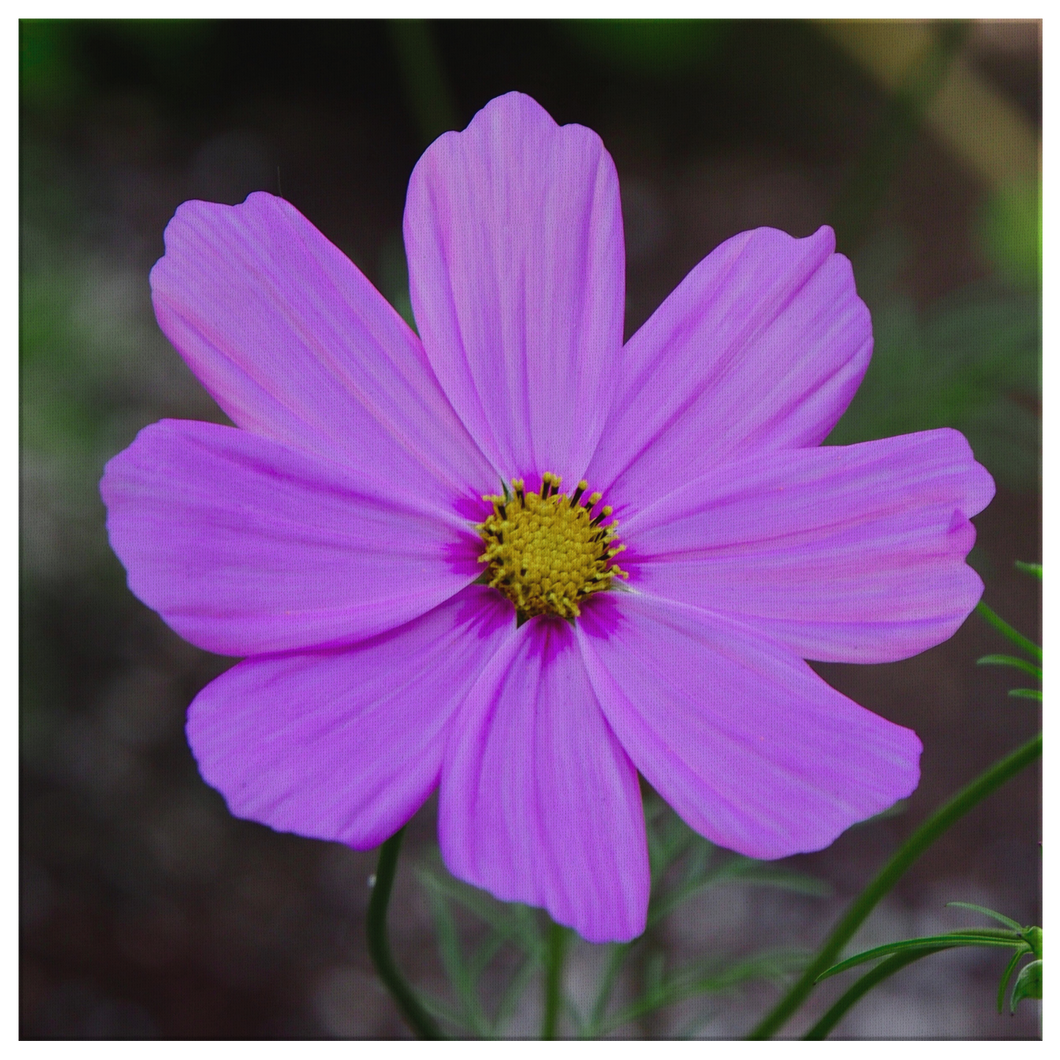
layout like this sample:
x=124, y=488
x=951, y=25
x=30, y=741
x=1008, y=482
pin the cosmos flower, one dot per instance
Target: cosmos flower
x=519, y=562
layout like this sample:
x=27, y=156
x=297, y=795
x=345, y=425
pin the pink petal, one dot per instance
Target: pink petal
x=517, y=270
x=347, y=744
x=295, y=344
x=245, y=546
x=742, y=738
x=845, y=554
x=762, y=346
x=538, y=802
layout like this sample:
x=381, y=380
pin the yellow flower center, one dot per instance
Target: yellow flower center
x=546, y=551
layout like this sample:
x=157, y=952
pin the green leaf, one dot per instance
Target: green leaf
x=1010, y=660
x=1006, y=630
x=514, y=921
x=441, y=1011
x=510, y=924
x=884, y=970
x=619, y=951
x=1026, y=693
x=707, y=976
x=1003, y=986
x=967, y=937
x=1034, y=569
x=511, y=996
x=456, y=969
x=1028, y=984
x=956, y=807
x=735, y=870
x=992, y=913
x=683, y=864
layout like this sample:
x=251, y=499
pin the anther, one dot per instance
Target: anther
x=545, y=551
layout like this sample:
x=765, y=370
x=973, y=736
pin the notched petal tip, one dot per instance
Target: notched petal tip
x=538, y=802
x=979, y=485
x=295, y=344
x=246, y=547
x=760, y=348
x=751, y=747
x=192, y=215
x=513, y=231
x=845, y=553
x=343, y=745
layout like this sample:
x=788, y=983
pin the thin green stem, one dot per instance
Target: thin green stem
x=618, y=953
x=1006, y=630
x=1034, y=569
x=820, y=1030
x=987, y=781
x=416, y=1016
x=557, y=946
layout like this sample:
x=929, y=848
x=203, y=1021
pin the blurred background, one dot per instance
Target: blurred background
x=146, y=910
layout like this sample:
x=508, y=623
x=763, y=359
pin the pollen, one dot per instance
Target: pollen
x=547, y=552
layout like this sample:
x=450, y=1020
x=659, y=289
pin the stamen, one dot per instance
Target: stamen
x=545, y=551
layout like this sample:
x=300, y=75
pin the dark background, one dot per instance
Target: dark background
x=146, y=910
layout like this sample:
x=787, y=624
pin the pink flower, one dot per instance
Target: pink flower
x=404, y=634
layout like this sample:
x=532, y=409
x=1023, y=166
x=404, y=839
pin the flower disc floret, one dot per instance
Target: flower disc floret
x=546, y=551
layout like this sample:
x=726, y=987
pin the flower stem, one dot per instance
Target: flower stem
x=379, y=946
x=906, y=854
x=820, y=1030
x=557, y=945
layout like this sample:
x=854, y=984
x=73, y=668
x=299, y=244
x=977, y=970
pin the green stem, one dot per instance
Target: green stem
x=618, y=953
x=884, y=970
x=1006, y=630
x=415, y=1014
x=557, y=945
x=907, y=853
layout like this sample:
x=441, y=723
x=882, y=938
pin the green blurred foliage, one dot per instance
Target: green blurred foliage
x=51, y=54
x=1010, y=232
x=969, y=361
x=657, y=46
x=508, y=950
x=46, y=77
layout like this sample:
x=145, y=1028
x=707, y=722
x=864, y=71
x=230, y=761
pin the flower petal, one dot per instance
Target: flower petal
x=245, y=546
x=742, y=738
x=347, y=744
x=845, y=554
x=295, y=344
x=513, y=230
x=762, y=346
x=538, y=802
